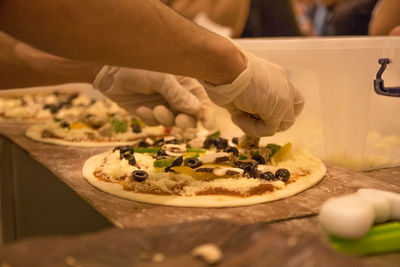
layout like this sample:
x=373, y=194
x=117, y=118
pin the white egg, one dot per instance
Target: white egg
x=393, y=198
x=348, y=217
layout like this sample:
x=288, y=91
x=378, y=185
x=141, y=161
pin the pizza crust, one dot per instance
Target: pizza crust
x=35, y=133
x=211, y=201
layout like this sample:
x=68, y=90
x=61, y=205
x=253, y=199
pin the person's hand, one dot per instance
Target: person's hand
x=261, y=100
x=156, y=98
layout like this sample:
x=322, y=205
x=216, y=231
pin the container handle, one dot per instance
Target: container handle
x=379, y=85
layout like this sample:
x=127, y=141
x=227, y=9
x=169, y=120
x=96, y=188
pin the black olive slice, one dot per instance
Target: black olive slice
x=259, y=159
x=123, y=149
x=220, y=143
x=143, y=143
x=173, y=141
x=282, y=174
x=233, y=150
x=235, y=140
x=64, y=124
x=177, y=162
x=136, y=128
x=139, y=175
x=269, y=176
x=192, y=163
x=208, y=142
x=250, y=171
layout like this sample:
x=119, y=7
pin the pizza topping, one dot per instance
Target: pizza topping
x=218, y=157
x=192, y=163
x=64, y=124
x=235, y=140
x=220, y=143
x=282, y=174
x=177, y=162
x=149, y=141
x=136, y=128
x=250, y=171
x=46, y=133
x=124, y=149
x=172, y=141
x=269, y=176
x=174, y=150
x=259, y=159
x=245, y=163
x=248, y=142
x=136, y=125
x=163, y=163
x=168, y=138
x=78, y=125
x=143, y=143
x=223, y=171
x=281, y=153
x=233, y=150
x=205, y=169
x=208, y=142
x=139, y=175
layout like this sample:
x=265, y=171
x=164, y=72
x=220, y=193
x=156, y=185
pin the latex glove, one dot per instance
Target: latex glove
x=156, y=98
x=261, y=100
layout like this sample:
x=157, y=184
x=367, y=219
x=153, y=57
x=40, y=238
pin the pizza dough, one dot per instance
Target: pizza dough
x=306, y=168
x=35, y=133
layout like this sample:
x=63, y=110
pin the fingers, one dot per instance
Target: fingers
x=287, y=121
x=146, y=115
x=156, y=116
x=178, y=97
x=298, y=103
x=164, y=116
x=185, y=121
x=207, y=119
x=255, y=127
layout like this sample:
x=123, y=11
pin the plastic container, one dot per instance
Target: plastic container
x=344, y=120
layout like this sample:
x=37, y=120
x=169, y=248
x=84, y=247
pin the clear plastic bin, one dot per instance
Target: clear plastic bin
x=344, y=120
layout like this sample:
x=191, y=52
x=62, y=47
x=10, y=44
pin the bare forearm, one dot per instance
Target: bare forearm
x=23, y=66
x=135, y=33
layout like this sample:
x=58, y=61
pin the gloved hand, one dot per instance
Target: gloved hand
x=156, y=98
x=261, y=100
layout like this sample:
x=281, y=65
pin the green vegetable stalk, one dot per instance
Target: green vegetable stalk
x=381, y=238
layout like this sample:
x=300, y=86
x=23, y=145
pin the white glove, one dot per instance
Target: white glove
x=156, y=98
x=261, y=99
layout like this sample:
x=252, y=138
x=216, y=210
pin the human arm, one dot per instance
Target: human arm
x=148, y=35
x=24, y=66
x=385, y=18
x=136, y=33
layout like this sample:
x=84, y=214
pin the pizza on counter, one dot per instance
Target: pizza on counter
x=42, y=106
x=95, y=126
x=206, y=171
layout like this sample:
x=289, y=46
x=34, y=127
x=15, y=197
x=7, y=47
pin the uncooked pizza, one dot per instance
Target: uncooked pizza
x=41, y=106
x=208, y=171
x=97, y=127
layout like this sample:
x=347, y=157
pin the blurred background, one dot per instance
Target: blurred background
x=273, y=18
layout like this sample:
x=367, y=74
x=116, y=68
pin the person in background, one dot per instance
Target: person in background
x=241, y=18
x=95, y=35
x=386, y=18
x=338, y=17
x=350, y=17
